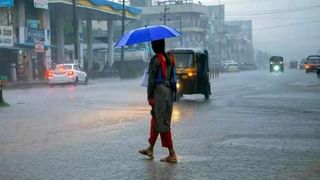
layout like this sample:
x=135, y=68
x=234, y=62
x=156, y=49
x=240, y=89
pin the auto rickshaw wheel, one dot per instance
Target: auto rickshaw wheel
x=207, y=92
x=207, y=95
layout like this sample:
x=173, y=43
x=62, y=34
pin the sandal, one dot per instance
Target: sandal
x=170, y=159
x=147, y=153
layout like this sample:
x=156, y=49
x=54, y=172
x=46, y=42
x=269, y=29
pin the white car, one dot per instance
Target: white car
x=67, y=73
x=231, y=66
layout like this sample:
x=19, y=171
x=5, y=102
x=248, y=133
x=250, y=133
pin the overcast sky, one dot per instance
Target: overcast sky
x=290, y=28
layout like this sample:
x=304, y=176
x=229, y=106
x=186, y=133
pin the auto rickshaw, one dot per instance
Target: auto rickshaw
x=276, y=64
x=192, y=71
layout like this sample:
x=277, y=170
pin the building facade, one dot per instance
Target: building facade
x=217, y=34
x=25, y=49
x=183, y=15
x=76, y=39
x=202, y=26
x=239, y=42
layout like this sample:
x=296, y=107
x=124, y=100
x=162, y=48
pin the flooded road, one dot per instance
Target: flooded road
x=256, y=125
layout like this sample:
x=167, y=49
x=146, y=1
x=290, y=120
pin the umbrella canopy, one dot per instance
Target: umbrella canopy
x=146, y=34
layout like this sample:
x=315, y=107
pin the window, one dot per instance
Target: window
x=184, y=60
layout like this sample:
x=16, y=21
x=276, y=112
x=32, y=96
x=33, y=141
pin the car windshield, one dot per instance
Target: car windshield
x=63, y=66
x=183, y=60
x=276, y=59
x=313, y=60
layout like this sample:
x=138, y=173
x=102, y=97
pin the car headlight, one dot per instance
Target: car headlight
x=276, y=68
x=271, y=62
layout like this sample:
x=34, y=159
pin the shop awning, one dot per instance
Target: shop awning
x=32, y=45
x=99, y=9
x=10, y=48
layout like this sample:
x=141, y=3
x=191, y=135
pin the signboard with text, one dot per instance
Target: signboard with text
x=6, y=3
x=42, y=4
x=34, y=35
x=6, y=36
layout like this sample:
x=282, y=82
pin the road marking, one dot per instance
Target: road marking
x=305, y=84
x=291, y=96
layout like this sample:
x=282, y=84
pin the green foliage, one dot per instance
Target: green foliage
x=4, y=104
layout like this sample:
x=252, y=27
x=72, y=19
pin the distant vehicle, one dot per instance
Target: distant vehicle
x=312, y=63
x=67, y=73
x=276, y=64
x=231, y=66
x=293, y=64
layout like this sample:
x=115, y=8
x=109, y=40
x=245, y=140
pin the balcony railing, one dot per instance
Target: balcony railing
x=170, y=2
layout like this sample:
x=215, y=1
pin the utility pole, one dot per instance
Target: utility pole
x=180, y=27
x=75, y=31
x=219, y=32
x=165, y=14
x=122, y=29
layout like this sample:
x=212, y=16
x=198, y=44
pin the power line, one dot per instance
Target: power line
x=287, y=25
x=281, y=26
x=278, y=18
x=274, y=11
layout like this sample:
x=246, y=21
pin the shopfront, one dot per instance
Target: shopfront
x=34, y=39
x=25, y=52
x=8, y=53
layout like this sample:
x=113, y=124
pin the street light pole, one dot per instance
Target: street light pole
x=165, y=14
x=180, y=27
x=122, y=30
x=75, y=31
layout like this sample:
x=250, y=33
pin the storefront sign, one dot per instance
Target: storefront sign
x=42, y=4
x=6, y=3
x=34, y=35
x=39, y=47
x=6, y=36
x=33, y=23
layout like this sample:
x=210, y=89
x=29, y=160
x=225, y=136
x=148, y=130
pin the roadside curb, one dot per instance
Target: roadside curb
x=31, y=84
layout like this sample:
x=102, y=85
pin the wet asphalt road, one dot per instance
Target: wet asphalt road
x=256, y=125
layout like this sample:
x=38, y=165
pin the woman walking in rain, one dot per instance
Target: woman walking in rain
x=161, y=91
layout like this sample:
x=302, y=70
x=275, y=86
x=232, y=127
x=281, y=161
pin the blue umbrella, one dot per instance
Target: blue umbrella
x=146, y=34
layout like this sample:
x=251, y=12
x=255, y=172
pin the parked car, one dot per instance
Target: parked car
x=67, y=73
x=312, y=63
